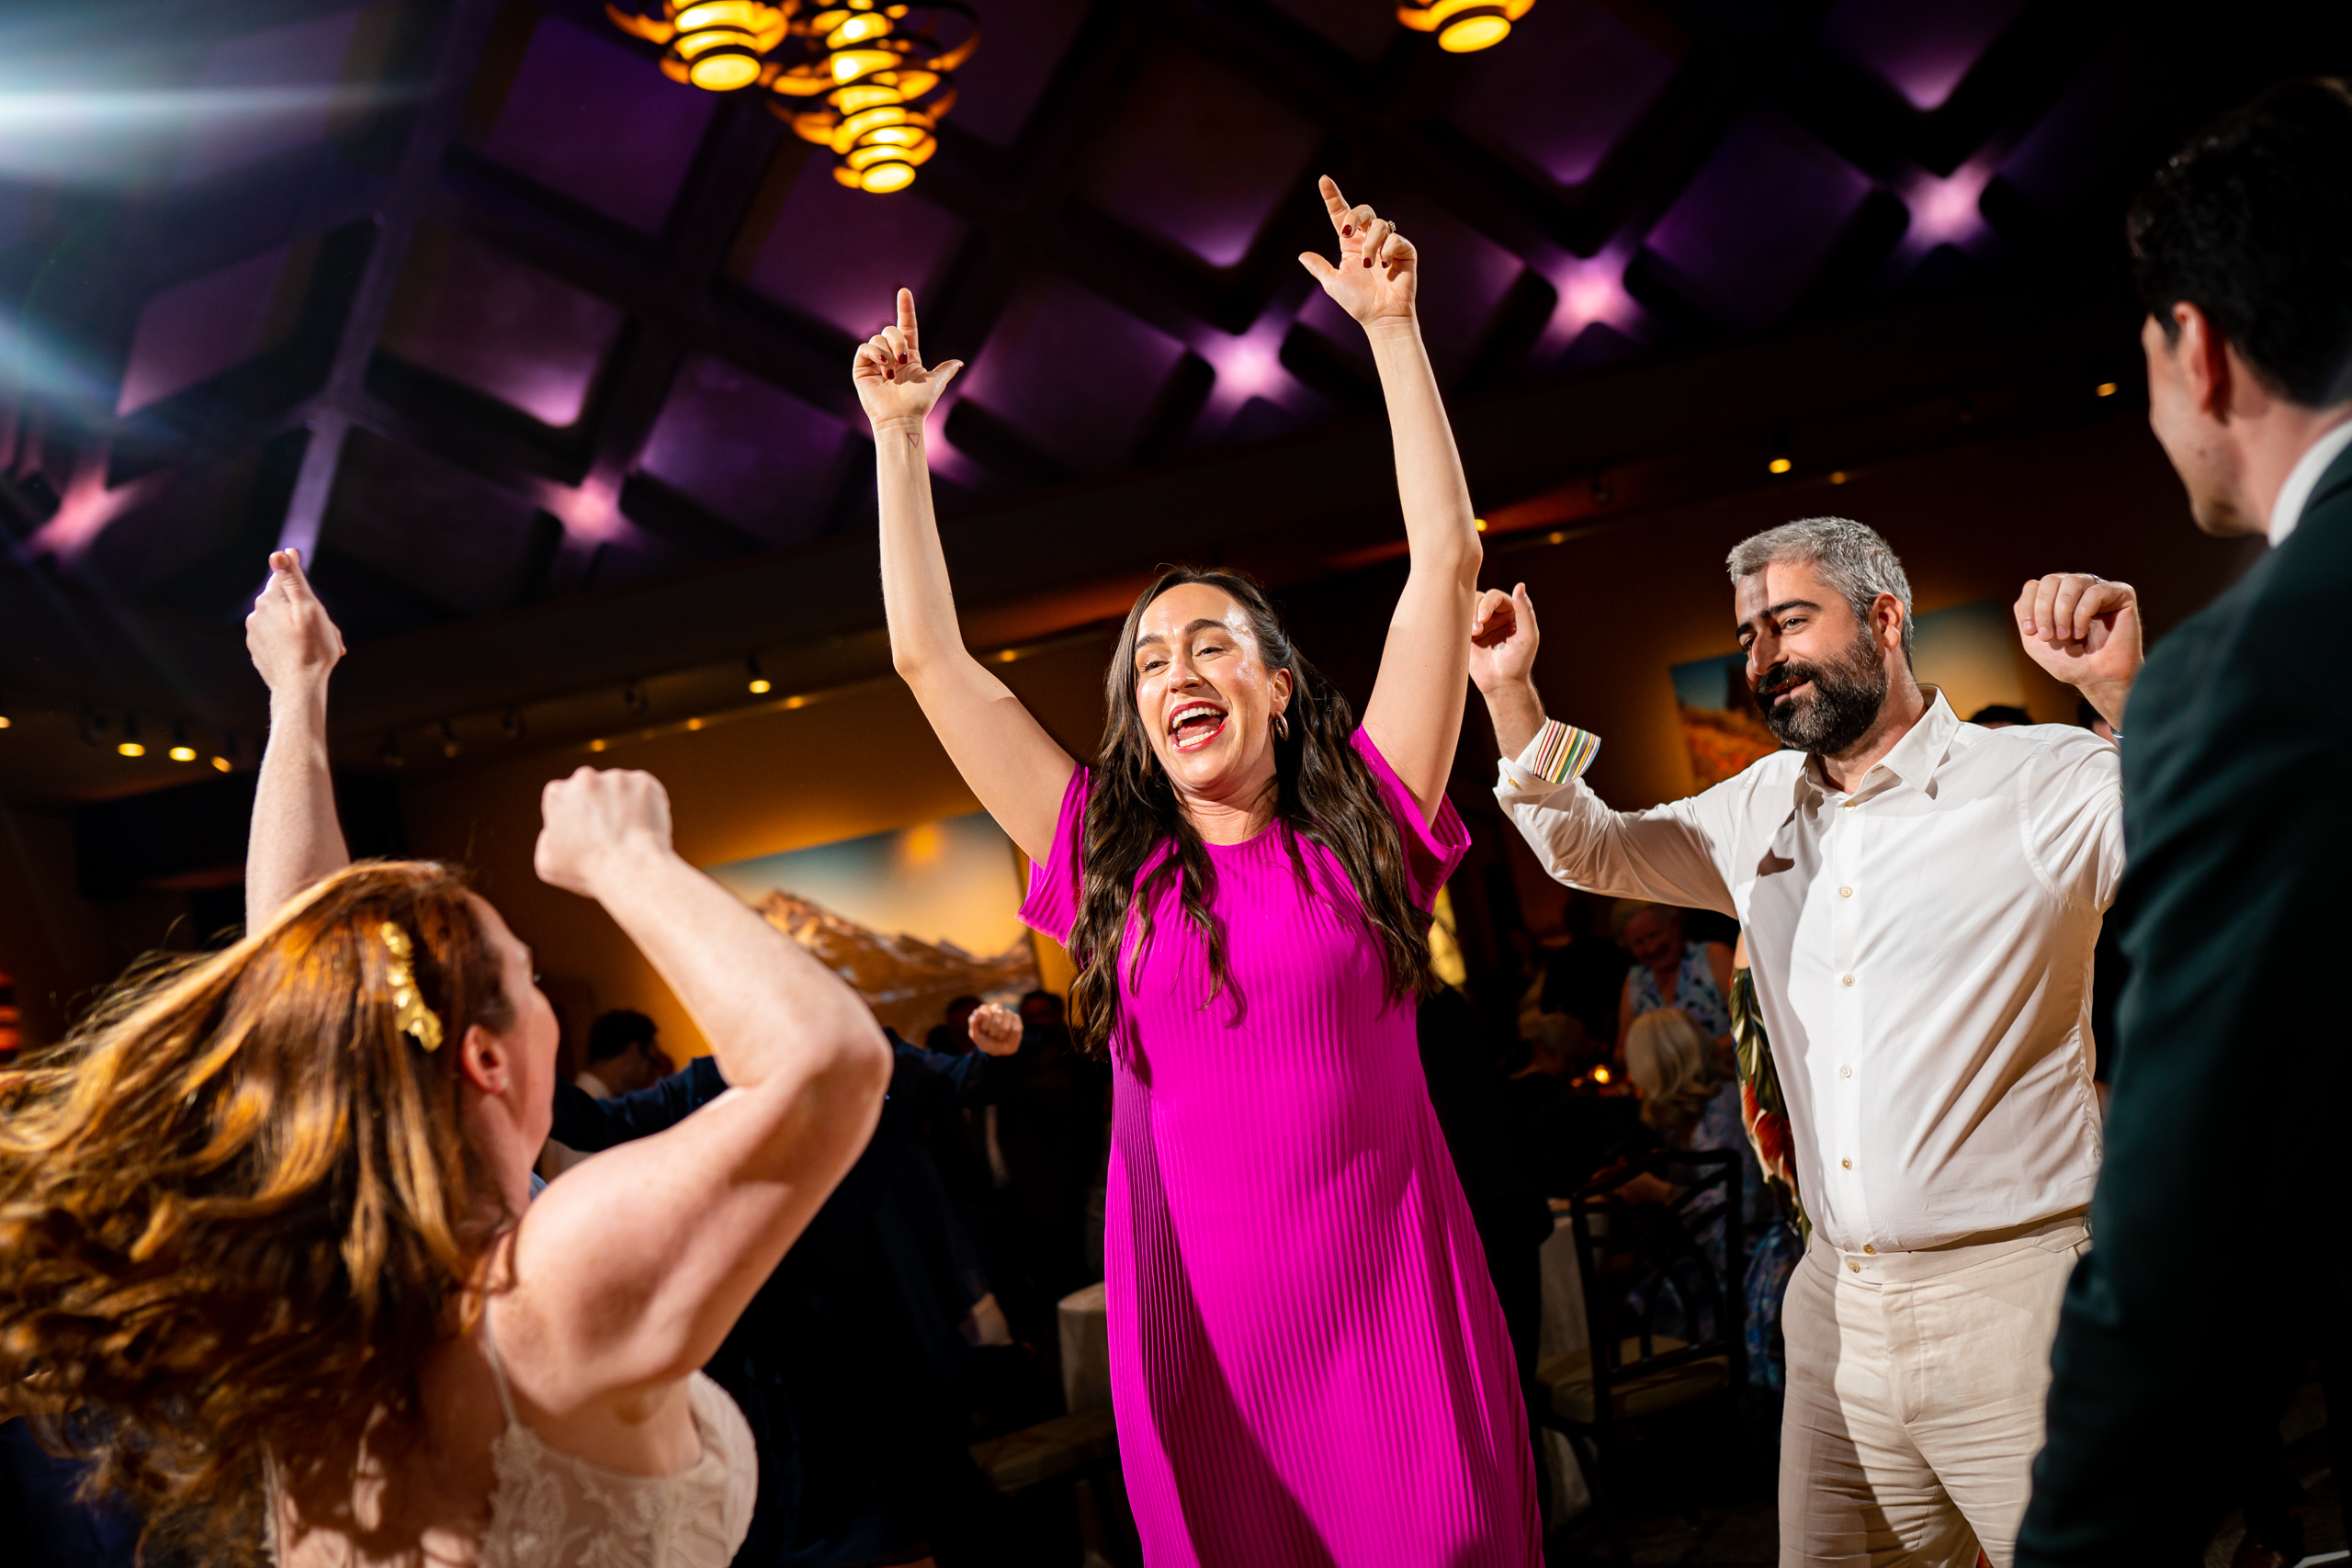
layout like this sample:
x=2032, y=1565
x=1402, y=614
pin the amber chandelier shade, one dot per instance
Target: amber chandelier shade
x=1464, y=27
x=870, y=79
x=718, y=45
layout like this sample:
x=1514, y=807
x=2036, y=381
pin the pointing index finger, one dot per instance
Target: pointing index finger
x=1334, y=203
x=907, y=312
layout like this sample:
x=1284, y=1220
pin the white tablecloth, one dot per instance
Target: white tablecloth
x=1086, y=1350
x=1563, y=1330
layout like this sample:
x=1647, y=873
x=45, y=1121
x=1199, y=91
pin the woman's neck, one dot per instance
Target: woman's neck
x=1234, y=819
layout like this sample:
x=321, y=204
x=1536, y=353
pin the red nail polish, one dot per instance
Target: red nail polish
x=1348, y=228
x=1367, y=261
x=902, y=360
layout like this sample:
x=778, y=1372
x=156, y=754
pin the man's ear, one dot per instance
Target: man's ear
x=2204, y=358
x=1886, y=620
x=484, y=1060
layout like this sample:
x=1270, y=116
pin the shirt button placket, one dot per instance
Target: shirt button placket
x=1845, y=922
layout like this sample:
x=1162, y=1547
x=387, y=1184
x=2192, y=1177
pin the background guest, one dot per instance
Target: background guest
x=1670, y=971
x=952, y=1035
x=853, y=1362
x=2000, y=716
x=1690, y=1095
x=622, y=1055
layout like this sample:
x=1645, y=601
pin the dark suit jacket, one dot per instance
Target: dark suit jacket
x=2219, y=1227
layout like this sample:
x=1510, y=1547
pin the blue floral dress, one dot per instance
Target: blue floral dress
x=1695, y=992
x=1770, y=1245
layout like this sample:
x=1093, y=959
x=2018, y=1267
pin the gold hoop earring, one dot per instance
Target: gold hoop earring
x=1281, y=727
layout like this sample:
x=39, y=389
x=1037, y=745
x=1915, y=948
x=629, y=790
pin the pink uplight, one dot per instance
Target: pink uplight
x=1591, y=289
x=87, y=506
x=1246, y=366
x=1944, y=211
x=591, y=513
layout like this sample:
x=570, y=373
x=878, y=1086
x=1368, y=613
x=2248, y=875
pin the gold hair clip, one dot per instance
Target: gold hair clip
x=416, y=1020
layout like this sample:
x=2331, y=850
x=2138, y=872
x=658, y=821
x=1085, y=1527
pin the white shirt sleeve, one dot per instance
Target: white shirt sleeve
x=2075, y=824
x=1672, y=853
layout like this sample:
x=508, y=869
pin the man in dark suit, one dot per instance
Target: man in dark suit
x=2221, y=1231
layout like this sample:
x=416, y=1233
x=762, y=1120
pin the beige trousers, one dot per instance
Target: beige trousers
x=1914, y=1398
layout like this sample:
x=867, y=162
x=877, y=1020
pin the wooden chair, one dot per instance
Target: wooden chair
x=1079, y=1451
x=1686, y=1252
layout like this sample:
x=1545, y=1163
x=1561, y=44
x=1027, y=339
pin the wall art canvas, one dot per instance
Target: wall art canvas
x=1968, y=651
x=909, y=919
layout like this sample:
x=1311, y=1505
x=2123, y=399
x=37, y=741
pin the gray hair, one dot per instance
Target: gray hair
x=1850, y=557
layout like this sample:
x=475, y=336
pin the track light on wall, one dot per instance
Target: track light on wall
x=181, y=750
x=390, y=754
x=449, y=747
x=1464, y=27
x=633, y=697
x=130, y=745
x=757, y=683
x=870, y=80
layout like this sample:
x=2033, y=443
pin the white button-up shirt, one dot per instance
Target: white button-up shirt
x=1921, y=952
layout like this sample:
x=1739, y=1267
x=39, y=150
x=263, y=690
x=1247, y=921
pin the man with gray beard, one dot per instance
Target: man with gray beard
x=1920, y=898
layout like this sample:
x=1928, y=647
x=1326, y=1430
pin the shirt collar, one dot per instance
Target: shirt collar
x=1915, y=758
x=2304, y=477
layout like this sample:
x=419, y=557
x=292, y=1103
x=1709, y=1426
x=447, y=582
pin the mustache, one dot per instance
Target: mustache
x=1781, y=677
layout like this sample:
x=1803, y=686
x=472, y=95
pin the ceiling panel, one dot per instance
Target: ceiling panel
x=482, y=318
x=840, y=255
x=1199, y=157
x=1749, y=231
x=584, y=118
x=196, y=329
x=755, y=455
x=273, y=93
x=1575, y=78
x=1922, y=52
x=1075, y=374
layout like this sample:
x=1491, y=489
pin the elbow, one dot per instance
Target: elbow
x=861, y=1061
x=909, y=663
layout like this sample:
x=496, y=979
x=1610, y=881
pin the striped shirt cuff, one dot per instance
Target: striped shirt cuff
x=1560, y=751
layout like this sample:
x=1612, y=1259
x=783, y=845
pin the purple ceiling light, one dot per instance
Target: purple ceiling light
x=479, y=317
x=1922, y=52
x=1945, y=211
x=1247, y=366
x=1593, y=293
x=1199, y=157
x=193, y=330
x=586, y=117
x=1563, y=97
x=1756, y=221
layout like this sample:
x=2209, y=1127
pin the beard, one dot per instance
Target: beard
x=1848, y=694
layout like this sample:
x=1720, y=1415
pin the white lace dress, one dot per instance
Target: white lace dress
x=551, y=1510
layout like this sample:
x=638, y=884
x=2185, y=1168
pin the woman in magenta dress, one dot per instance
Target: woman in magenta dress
x=1307, y=1362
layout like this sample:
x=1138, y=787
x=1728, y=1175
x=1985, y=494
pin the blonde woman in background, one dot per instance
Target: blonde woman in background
x=1690, y=1097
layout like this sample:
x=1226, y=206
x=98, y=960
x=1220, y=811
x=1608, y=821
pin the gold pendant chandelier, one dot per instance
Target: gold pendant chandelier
x=719, y=45
x=1463, y=26
x=871, y=81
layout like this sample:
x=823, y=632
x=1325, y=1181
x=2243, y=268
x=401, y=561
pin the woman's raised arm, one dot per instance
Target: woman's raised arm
x=1415, y=714
x=1016, y=769
x=636, y=1263
x=296, y=838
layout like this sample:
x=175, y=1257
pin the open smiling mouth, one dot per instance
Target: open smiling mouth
x=1194, y=725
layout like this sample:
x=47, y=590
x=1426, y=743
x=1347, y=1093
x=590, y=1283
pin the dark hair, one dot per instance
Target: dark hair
x=615, y=1032
x=1325, y=794
x=239, y=1208
x=2000, y=712
x=2252, y=223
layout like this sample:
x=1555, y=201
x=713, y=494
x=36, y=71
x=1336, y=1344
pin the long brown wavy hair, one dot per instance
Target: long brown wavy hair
x=1325, y=794
x=238, y=1208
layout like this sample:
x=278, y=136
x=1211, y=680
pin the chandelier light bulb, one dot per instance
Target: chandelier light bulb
x=718, y=45
x=1464, y=27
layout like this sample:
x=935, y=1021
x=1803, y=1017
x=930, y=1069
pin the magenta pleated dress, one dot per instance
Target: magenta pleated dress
x=1308, y=1361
